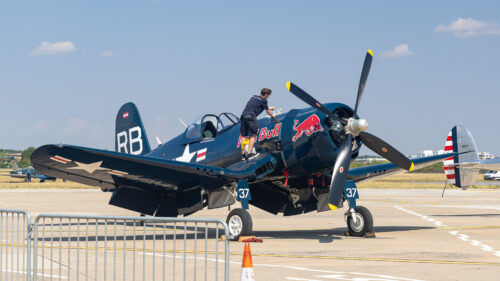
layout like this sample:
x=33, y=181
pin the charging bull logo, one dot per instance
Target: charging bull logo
x=309, y=126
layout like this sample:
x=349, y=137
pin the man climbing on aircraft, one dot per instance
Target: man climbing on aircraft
x=254, y=107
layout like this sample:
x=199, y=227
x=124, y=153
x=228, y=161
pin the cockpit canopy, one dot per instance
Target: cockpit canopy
x=209, y=125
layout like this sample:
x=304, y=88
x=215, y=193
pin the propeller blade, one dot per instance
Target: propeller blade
x=339, y=173
x=386, y=150
x=301, y=94
x=364, y=76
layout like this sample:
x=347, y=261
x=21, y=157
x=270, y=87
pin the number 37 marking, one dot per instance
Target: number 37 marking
x=243, y=193
x=351, y=192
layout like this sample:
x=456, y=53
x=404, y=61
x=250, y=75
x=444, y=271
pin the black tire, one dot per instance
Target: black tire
x=239, y=223
x=365, y=222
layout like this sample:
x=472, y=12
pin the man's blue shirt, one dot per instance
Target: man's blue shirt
x=255, y=106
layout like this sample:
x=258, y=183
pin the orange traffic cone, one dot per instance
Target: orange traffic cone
x=247, y=266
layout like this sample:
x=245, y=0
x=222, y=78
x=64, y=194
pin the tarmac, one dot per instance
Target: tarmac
x=419, y=235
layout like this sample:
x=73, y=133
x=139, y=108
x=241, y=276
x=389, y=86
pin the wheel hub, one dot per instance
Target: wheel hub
x=235, y=225
x=357, y=224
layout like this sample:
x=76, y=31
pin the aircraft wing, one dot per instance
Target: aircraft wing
x=109, y=169
x=19, y=176
x=378, y=171
x=490, y=164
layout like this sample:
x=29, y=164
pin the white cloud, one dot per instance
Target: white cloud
x=398, y=51
x=47, y=48
x=469, y=27
x=107, y=53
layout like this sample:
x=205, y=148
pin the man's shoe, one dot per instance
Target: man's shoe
x=253, y=155
x=244, y=157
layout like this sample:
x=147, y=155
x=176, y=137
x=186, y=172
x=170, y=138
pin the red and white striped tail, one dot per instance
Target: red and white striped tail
x=449, y=163
x=462, y=169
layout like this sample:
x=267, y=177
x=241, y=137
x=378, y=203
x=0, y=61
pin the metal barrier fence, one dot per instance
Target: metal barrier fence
x=72, y=247
x=15, y=246
x=75, y=247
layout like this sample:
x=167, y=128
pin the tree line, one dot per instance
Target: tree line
x=6, y=155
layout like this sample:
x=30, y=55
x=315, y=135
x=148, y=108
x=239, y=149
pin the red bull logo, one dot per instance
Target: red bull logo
x=265, y=133
x=309, y=126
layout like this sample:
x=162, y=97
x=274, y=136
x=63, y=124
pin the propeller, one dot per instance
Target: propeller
x=304, y=96
x=352, y=128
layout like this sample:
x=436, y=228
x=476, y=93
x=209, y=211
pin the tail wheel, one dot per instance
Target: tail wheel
x=239, y=223
x=363, y=224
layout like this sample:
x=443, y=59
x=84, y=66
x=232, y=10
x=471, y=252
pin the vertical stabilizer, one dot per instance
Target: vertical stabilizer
x=130, y=136
x=14, y=163
x=462, y=169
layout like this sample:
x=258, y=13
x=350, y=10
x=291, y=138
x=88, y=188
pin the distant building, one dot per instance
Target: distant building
x=17, y=156
x=485, y=155
x=427, y=153
x=369, y=159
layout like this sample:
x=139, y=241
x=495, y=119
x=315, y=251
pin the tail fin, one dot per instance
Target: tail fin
x=462, y=169
x=130, y=134
x=14, y=163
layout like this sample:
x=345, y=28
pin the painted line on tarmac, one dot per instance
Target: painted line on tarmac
x=345, y=277
x=38, y=274
x=471, y=227
x=373, y=259
x=434, y=221
x=456, y=233
x=337, y=274
x=158, y=252
x=477, y=207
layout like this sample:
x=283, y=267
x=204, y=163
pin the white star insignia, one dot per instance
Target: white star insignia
x=89, y=168
x=186, y=156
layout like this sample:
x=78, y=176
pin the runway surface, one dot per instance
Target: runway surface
x=420, y=236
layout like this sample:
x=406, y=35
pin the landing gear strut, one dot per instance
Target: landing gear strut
x=359, y=219
x=239, y=222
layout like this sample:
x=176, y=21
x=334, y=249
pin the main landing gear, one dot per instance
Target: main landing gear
x=239, y=223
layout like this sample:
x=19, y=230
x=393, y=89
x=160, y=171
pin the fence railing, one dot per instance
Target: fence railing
x=80, y=247
x=15, y=246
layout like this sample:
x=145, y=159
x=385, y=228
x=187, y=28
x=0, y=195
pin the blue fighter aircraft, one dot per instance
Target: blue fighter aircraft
x=302, y=166
x=22, y=173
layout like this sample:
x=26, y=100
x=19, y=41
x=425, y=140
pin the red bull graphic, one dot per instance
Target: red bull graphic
x=265, y=133
x=309, y=126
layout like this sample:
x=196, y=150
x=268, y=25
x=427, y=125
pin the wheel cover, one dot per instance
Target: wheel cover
x=235, y=225
x=357, y=227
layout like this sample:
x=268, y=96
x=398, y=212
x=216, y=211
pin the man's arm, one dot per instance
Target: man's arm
x=268, y=111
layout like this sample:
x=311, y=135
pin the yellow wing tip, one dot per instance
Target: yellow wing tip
x=333, y=207
x=288, y=84
x=411, y=167
x=370, y=52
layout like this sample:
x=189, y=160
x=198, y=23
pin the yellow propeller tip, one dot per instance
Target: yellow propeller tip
x=370, y=52
x=288, y=85
x=411, y=167
x=333, y=207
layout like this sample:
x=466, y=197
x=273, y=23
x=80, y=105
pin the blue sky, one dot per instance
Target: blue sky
x=435, y=65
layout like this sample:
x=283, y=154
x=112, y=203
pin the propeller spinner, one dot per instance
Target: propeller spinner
x=352, y=128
